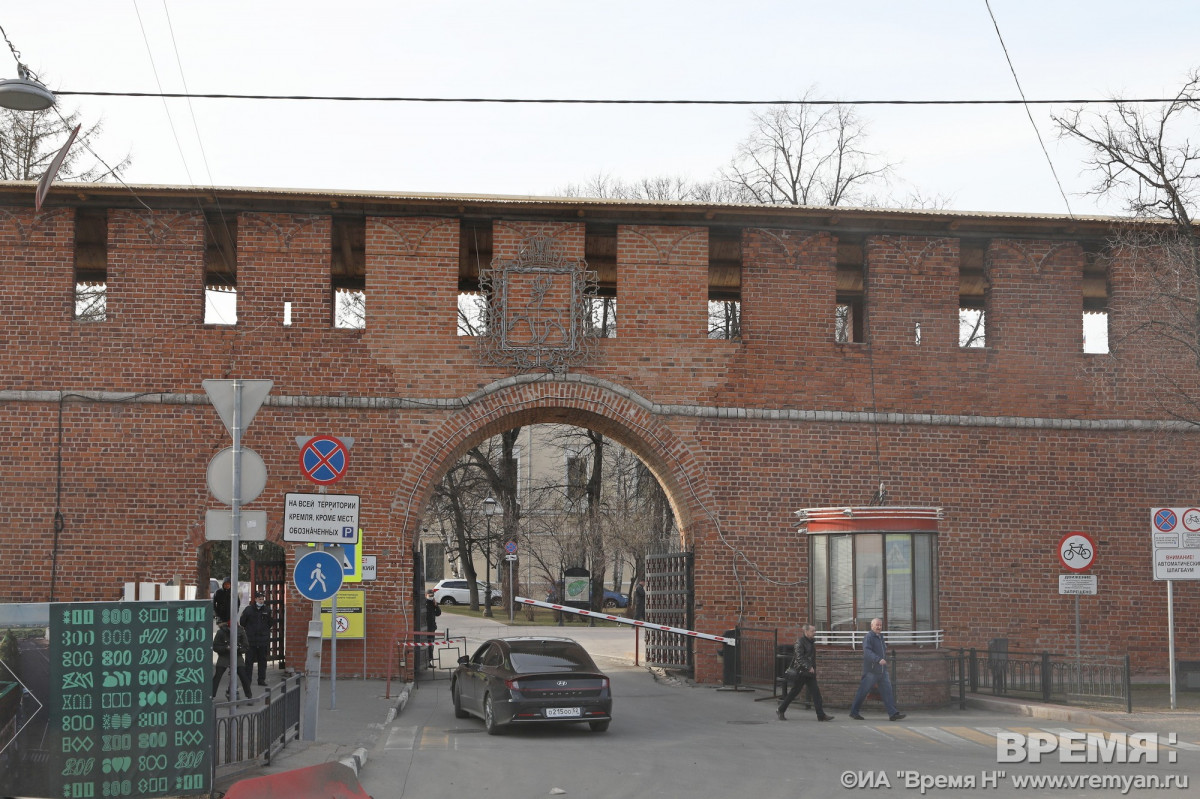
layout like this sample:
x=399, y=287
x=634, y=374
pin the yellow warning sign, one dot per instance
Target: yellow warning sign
x=351, y=615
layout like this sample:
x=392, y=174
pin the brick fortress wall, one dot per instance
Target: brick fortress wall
x=741, y=433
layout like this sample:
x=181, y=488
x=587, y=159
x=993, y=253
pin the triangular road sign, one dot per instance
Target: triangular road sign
x=221, y=392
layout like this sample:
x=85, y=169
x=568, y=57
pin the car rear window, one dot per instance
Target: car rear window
x=531, y=656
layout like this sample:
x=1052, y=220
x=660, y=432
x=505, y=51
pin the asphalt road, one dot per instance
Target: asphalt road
x=670, y=739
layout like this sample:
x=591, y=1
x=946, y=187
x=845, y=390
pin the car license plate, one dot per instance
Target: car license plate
x=563, y=712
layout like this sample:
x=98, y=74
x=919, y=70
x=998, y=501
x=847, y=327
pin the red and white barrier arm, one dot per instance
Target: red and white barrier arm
x=434, y=642
x=622, y=620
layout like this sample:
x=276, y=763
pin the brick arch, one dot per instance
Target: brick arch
x=577, y=400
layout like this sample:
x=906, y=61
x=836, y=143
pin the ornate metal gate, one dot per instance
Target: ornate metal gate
x=669, y=598
x=271, y=577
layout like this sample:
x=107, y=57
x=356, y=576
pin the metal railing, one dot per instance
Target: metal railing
x=854, y=638
x=1050, y=677
x=249, y=732
x=754, y=658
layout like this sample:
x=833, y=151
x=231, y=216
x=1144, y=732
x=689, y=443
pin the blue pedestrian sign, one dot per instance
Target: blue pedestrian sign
x=318, y=575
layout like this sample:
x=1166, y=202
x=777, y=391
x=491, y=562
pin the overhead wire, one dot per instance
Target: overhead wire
x=343, y=98
x=228, y=257
x=1028, y=113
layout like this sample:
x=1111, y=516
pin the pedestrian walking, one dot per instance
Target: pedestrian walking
x=221, y=647
x=257, y=621
x=875, y=673
x=804, y=664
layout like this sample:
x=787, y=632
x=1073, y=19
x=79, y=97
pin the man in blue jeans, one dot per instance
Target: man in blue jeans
x=875, y=672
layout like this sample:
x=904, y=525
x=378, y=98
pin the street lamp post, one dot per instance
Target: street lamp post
x=490, y=508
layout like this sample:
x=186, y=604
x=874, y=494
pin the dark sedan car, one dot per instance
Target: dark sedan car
x=517, y=680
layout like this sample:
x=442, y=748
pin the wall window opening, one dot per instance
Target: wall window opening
x=972, y=294
x=600, y=252
x=474, y=257
x=1096, y=293
x=849, y=316
x=348, y=272
x=724, y=283
x=220, y=268
x=91, y=264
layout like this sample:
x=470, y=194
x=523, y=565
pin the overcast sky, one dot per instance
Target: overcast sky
x=981, y=158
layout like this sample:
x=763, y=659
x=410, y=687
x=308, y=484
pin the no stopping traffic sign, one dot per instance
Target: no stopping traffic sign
x=324, y=460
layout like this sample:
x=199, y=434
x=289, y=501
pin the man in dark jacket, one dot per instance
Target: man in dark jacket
x=875, y=672
x=221, y=602
x=432, y=611
x=257, y=622
x=804, y=662
x=221, y=647
x=639, y=601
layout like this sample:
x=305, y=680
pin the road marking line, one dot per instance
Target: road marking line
x=401, y=738
x=938, y=734
x=433, y=739
x=904, y=732
x=972, y=734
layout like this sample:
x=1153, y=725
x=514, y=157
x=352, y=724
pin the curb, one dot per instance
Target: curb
x=358, y=759
x=1045, y=712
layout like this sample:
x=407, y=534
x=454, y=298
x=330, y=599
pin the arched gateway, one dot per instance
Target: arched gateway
x=578, y=400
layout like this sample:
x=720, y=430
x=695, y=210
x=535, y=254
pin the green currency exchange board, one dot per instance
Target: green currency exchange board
x=130, y=708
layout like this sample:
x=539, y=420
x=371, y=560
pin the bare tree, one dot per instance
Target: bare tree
x=29, y=140
x=661, y=188
x=496, y=461
x=455, y=508
x=806, y=154
x=1144, y=157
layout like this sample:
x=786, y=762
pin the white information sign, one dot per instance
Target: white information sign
x=320, y=518
x=1079, y=584
x=368, y=568
x=1175, y=538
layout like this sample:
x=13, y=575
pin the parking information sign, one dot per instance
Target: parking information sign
x=320, y=518
x=1175, y=536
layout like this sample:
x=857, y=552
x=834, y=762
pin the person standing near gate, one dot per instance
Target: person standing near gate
x=639, y=601
x=432, y=611
x=875, y=673
x=257, y=621
x=221, y=602
x=804, y=663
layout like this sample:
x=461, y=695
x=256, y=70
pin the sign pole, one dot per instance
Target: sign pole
x=1171, y=638
x=1078, y=660
x=235, y=543
x=333, y=651
x=511, y=590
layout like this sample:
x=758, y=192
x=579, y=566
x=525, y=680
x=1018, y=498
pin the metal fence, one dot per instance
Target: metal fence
x=754, y=660
x=249, y=732
x=1050, y=677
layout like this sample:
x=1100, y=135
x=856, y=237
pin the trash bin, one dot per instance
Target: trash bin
x=783, y=658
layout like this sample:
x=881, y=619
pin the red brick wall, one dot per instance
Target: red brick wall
x=710, y=417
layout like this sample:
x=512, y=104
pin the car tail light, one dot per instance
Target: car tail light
x=512, y=684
